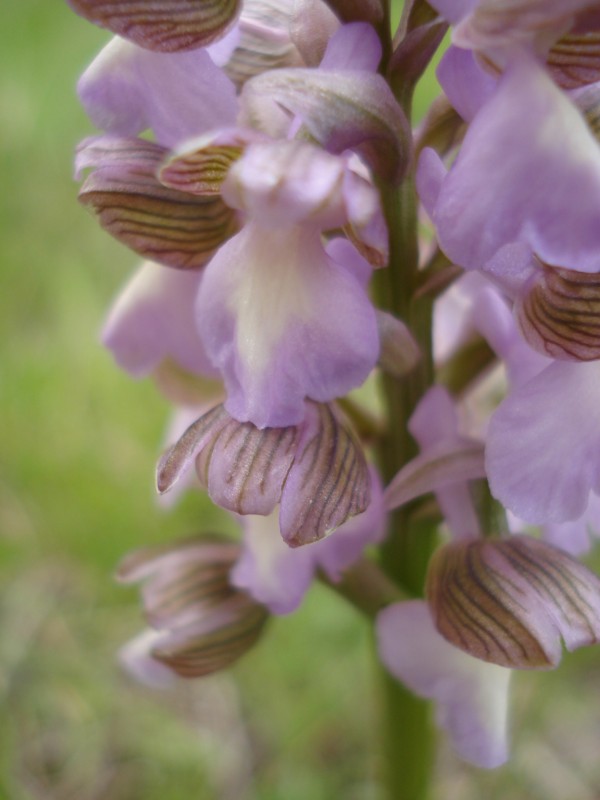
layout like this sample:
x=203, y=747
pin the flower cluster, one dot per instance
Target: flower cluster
x=258, y=156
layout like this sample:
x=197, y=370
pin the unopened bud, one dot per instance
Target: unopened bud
x=201, y=623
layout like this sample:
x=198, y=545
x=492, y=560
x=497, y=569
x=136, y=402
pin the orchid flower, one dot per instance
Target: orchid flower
x=384, y=387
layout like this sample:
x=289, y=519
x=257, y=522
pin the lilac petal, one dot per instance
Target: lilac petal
x=549, y=422
x=287, y=182
x=312, y=26
x=127, y=90
x=471, y=696
x=162, y=224
x=135, y=657
x=575, y=537
x=431, y=173
x=264, y=312
x=464, y=82
x=434, y=421
x=153, y=319
x=441, y=465
x=329, y=480
x=512, y=267
x=353, y=46
x=494, y=319
x=502, y=23
x=343, y=253
x=223, y=49
x=342, y=109
x=367, y=228
x=168, y=26
x=520, y=202
x=435, y=418
x=269, y=570
x=278, y=576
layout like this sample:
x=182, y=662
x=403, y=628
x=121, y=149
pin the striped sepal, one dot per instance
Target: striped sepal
x=264, y=43
x=342, y=110
x=182, y=580
x=203, y=166
x=560, y=315
x=256, y=55
x=510, y=602
x=329, y=481
x=574, y=60
x=317, y=470
x=165, y=25
x=243, y=467
x=358, y=10
x=216, y=641
x=165, y=225
x=441, y=465
x=587, y=101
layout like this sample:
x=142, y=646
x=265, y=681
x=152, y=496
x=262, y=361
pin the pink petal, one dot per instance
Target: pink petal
x=471, y=697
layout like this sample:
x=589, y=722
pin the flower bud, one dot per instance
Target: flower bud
x=201, y=623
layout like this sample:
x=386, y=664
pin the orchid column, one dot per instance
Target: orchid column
x=259, y=157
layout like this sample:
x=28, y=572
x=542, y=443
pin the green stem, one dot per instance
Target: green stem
x=366, y=586
x=408, y=736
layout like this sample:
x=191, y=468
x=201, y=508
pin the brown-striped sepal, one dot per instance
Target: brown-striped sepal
x=182, y=580
x=214, y=642
x=165, y=225
x=243, y=467
x=165, y=25
x=560, y=315
x=316, y=470
x=574, y=60
x=440, y=465
x=512, y=601
x=265, y=43
x=329, y=481
x=587, y=101
x=341, y=109
x=202, y=165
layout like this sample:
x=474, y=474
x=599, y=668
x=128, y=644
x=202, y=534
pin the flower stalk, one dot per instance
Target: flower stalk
x=407, y=734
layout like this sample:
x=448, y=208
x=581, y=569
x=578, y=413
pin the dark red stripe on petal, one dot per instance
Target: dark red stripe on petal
x=168, y=226
x=560, y=315
x=163, y=25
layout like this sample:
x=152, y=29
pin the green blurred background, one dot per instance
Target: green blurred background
x=295, y=720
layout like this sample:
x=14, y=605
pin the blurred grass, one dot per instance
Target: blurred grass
x=295, y=719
